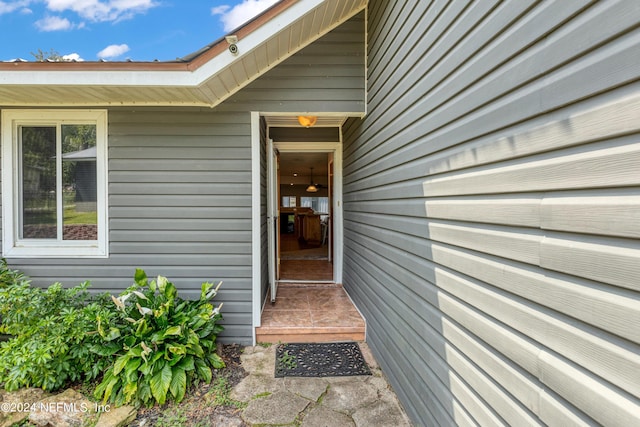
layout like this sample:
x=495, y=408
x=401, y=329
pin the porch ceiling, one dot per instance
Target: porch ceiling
x=292, y=121
x=205, y=79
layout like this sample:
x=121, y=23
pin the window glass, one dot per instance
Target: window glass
x=289, y=201
x=38, y=167
x=54, y=183
x=79, y=188
x=318, y=204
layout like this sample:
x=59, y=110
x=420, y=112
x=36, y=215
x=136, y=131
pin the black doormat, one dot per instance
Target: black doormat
x=320, y=360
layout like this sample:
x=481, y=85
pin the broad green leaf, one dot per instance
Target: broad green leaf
x=112, y=335
x=120, y=363
x=110, y=388
x=140, y=277
x=146, y=368
x=178, y=384
x=178, y=349
x=129, y=391
x=186, y=364
x=162, y=283
x=135, y=351
x=206, y=286
x=99, y=391
x=131, y=369
x=106, y=350
x=160, y=383
x=203, y=370
x=170, y=291
x=130, y=341
x=174, y=330
x=144, y=391
x=193, y=338
x=215, y=361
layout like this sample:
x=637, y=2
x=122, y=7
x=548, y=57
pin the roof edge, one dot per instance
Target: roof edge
x=195, y=61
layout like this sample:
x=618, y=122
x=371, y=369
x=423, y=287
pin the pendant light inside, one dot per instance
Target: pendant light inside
x=312, y=188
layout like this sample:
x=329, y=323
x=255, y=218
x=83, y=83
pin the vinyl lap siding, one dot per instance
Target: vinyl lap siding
x=326, y=76
x=491, y=210
x=180, y=181
x=179, y=206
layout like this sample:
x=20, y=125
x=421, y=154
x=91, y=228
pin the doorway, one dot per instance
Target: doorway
x=304, y=226
x=305, y=213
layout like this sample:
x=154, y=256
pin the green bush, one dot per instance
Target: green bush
x=161, y=344
x=51, y=333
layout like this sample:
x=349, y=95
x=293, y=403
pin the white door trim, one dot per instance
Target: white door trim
x=256, y=219
x=256, y=255
x=336, y=149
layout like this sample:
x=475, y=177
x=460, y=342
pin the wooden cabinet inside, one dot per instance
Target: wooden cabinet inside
x=307, y=226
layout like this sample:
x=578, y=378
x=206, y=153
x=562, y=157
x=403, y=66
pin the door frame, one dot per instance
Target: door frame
x=336, y=149
x=257, y=216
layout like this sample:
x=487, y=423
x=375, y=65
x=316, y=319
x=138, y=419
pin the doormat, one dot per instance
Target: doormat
x=320, y=360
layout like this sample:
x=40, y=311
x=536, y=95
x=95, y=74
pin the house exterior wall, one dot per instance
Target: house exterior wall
x=491, y=205
x=180, y=198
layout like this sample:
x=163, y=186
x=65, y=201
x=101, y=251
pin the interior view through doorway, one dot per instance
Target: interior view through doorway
x=305, y=300
x=305, y=200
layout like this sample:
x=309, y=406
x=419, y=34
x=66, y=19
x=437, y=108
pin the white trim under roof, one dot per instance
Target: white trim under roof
x=196, y=83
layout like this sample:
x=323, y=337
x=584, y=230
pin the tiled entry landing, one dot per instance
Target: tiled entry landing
x=310, y=313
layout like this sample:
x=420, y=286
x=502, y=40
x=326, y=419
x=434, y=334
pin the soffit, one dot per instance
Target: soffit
x=205, y=80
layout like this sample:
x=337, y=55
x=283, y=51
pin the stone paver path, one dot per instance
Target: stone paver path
x=315, y=402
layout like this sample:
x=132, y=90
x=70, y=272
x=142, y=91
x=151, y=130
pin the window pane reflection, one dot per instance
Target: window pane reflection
x=38, y=173
x=79, y=186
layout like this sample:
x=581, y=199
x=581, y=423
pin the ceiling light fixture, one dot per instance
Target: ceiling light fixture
x=307, y=121
x=312, y=188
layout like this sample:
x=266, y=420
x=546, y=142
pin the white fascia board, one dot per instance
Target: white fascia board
x=164, y=78
x=253, y=40
x=98, y=78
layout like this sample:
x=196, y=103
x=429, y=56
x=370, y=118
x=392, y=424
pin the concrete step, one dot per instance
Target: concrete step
x=311, y=312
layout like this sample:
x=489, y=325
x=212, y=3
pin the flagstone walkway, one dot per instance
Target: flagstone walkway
x=315, y=402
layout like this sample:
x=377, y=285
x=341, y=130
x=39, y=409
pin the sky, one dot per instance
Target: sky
x=118, y=30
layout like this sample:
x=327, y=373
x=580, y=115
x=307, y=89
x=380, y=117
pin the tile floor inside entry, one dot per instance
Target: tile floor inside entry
x=310, y=313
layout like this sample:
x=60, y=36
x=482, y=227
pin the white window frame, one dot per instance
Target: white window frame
x=12, y=245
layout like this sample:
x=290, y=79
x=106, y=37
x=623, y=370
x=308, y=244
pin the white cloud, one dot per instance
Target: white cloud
x=72, y=57
x=234, y=17
x=12, y=6
x=53, y=23
x=219, y=10
x=113, y=51
x=99, y=10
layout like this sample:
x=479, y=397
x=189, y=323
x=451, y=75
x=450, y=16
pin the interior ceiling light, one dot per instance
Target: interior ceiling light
x=307, y=121
x=312, y=188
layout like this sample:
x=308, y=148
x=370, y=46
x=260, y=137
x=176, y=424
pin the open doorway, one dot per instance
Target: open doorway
x=306, y=216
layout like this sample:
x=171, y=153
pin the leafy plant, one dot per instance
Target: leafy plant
x=9, y=277
x=51, y=333
x=161, y=343
x=220, y=393
x=176, y=418
x=288, y=360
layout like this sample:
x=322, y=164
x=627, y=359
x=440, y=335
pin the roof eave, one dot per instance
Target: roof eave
x=166, y=83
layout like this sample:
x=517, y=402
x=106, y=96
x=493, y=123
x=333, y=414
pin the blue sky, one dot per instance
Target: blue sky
x=118, y=30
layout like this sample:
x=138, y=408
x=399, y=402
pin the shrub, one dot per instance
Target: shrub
x=51, y=333
x=161, y=343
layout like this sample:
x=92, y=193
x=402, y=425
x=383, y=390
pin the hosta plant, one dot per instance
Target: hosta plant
x=160, y=343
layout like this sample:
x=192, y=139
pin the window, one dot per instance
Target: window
x=288, y=201
x=318, y=204
x=54, y=183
